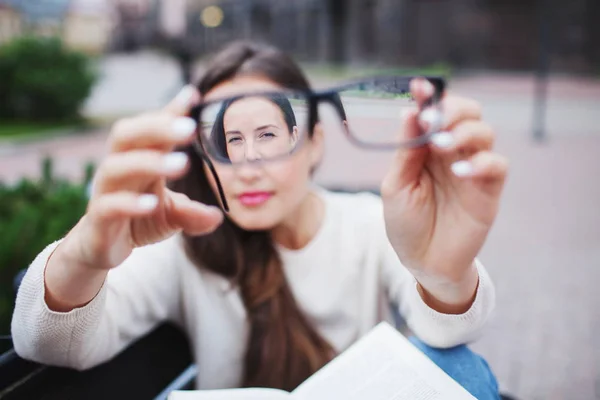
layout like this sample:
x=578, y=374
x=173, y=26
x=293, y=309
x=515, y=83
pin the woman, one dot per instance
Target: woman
x=292, y=274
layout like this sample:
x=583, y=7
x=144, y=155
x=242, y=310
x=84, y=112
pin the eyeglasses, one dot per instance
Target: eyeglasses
x=271, y=125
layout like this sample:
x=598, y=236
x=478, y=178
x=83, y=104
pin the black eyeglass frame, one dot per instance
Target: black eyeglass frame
x=316, y=97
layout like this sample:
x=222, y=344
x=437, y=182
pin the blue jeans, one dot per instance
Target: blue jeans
x=470, y=370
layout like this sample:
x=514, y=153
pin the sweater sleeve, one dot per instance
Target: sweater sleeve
x=432, y=327
x=400, y=287
x=135, y=297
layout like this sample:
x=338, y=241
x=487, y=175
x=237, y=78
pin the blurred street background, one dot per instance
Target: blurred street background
x=69, y=69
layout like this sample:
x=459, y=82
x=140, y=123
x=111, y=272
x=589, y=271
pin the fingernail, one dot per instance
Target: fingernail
x=428, y=88
x=185, y=96
x=442, y=140
x=183, y=127
x=462, y=168
x=431, y=120
x=174, y=162
x=148, y=201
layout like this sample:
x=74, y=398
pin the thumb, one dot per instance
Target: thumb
x=185, y=99
x=407, y=163
x=192, y=217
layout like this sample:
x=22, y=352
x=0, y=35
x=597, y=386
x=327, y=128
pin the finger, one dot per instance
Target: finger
x=469, y=136
x=407, y=164
x=135, y=169
x=193, y=217
x=482, y=165
x=155, y=131
x=184, y=101
x=421, y=90
x=455, y=109
x=122, y=205
x=431, y=118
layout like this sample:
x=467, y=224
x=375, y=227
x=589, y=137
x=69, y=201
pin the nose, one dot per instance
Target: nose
x=252, y=153
x=248, y=173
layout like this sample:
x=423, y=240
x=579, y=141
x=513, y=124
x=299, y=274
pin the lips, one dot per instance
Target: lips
x=253, y=199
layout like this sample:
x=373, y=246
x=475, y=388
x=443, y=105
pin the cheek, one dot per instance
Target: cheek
x=290, y=180
x=291, y=176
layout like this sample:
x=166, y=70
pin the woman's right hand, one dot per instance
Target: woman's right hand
x=130, y=205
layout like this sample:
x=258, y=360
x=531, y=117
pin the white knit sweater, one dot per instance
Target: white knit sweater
x=344, y=281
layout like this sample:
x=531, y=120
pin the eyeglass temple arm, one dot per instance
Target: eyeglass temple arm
x=211, y=167
x=218, y=181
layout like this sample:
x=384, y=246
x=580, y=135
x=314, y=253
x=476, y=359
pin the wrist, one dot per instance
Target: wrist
x=449, y=295
x=69, y=282
x=77, y=248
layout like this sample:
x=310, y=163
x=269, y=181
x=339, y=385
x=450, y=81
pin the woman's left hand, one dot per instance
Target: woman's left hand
x=440, y=200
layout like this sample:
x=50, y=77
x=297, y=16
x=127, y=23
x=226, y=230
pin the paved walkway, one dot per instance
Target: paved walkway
x=543, y=252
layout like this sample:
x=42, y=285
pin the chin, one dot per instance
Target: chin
x=254, y=220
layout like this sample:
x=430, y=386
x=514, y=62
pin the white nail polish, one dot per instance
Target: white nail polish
x=462, y=168
x=148, y=201
x=428, y=88
x=433, y=118
x=174, y=162
x=183, y=127
x=442, y=140
x=185, y=96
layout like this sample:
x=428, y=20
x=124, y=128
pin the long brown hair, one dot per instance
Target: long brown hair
x=283, y=348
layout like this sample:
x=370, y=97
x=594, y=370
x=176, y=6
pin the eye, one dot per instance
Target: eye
x=234, y=139
x=266, y=135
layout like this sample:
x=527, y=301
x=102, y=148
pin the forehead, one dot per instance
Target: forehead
x=240, y=85
x=256, y=109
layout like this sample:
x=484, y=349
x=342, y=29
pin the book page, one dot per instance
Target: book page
x=230, y=394
x=383, y=365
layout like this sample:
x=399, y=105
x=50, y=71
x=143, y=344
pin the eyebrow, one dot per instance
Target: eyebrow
x=260, y=128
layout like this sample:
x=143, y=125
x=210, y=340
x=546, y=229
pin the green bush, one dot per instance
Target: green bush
x=42, y=80
x=34, y=214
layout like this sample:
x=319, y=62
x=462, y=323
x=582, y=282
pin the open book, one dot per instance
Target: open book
x=382, y=365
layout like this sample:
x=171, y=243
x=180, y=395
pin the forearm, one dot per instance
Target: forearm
x=69, y=284
x=76, y=339
x=449, y=295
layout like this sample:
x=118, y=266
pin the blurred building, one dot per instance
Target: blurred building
x=483, y=34
x=10, y=22
x=88, y=25
x=499, y=34
x=38, y=17
x=135, y=23
x=83, y=24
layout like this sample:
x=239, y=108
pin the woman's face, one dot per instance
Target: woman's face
x=255, y=129
x=261, y=195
